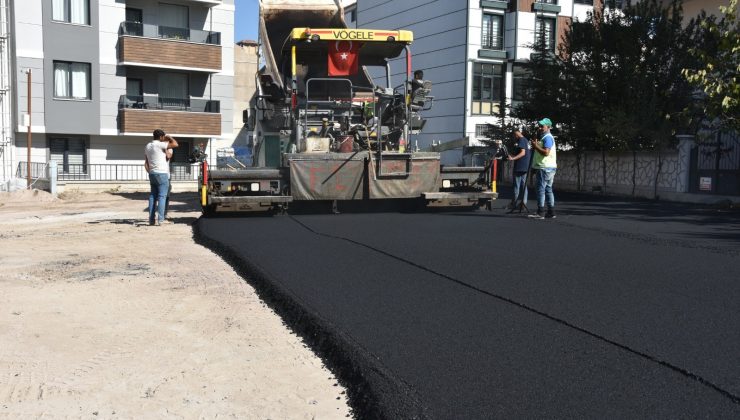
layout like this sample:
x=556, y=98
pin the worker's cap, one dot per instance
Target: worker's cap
x=545, y=121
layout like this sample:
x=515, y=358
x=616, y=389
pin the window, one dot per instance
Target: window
x=353, y=15
x=492, y=32
x=520, y=80
x=589, y=2
x=544, y=29
x=488, y=88
x=481, y=131
x=70, y=154
x=71, y=11
x=174, y=21
x=173, y=90
x=134, y=15
x=134, y=87
x=134, y=22
x=179, y=164
x=135, y=93
x=71, y=80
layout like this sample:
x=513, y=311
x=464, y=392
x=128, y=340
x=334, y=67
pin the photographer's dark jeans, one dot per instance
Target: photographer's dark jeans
x=159, y=184
x=544, y=179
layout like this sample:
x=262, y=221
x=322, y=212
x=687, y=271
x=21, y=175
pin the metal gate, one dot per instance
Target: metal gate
x=715, y=165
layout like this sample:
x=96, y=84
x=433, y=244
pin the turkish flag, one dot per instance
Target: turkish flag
x=343, y=58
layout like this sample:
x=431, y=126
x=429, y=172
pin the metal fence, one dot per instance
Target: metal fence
x=168, y=32
x=108, y=172
x=716, y=165
x=171, y=104
x=38, y=170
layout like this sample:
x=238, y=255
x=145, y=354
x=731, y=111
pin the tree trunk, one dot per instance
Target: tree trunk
x=657, y=175
x=634, y=172
x=603, y=171
x=578, y=171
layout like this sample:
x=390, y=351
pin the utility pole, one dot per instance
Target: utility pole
x=28, y=130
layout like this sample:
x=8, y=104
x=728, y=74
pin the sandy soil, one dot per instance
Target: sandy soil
x=103, y=316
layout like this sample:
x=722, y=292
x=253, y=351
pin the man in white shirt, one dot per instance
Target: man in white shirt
x=157, y=154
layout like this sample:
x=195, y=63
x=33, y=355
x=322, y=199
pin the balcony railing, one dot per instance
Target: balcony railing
x=108, y=172
x=493, y=42
x=169, y=104
x=167, y=32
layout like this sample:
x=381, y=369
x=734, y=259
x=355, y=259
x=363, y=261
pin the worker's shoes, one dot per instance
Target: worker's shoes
x=550, y=213
x=539, y=215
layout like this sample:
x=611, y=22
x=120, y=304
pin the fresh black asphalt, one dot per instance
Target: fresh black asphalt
x=616, y=309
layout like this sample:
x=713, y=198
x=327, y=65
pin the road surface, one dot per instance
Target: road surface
x=615, y=309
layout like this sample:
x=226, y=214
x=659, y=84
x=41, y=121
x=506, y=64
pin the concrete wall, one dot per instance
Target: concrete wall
x=112, y=78
x=28, y=44
x=618, y=172
x=74, y=43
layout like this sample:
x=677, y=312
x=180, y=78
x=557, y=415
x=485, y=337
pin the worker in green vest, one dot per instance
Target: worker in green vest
x=544, y=166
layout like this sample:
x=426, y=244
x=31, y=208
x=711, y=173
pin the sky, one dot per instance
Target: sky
x=245, y=20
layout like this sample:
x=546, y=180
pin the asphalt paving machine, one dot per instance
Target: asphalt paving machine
x=324, y=131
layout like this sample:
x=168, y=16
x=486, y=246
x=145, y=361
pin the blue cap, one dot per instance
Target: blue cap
x=545, y=121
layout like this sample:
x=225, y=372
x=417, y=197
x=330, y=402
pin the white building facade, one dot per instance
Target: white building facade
x=106, y=73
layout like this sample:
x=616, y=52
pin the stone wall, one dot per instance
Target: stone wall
x=619, y=172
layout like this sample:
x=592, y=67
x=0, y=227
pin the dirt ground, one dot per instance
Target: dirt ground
x=103, y=316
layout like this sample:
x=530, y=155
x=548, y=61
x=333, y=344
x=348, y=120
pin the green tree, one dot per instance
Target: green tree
x=719, y=74
x=616, y=84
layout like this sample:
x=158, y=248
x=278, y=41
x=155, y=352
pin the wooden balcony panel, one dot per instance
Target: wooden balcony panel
x=524, y=5
x=175, y=122
x=170, y=53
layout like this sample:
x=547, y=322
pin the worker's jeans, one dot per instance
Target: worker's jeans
x=544, y=178
x=158, y=195
x=520, y=181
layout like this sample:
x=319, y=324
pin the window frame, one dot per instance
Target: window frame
x=180, y=169
x=553, y=33
x=68, y=14
x=519, y=73
x=136, y=10
x=500, y=35
x=478, y=102
x=64, y=166
x=70, y=87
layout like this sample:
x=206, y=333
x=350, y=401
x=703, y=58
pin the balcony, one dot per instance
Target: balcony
x=187, y=117
x=147, y=45
x=207, y=3
x=492, y=47
x=494, y=4
x=550, y=6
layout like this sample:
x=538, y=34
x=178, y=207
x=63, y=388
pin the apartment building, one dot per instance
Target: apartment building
x=106, y=73
x=472, y=51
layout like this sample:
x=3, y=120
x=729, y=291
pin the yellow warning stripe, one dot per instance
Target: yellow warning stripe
x=362, y=35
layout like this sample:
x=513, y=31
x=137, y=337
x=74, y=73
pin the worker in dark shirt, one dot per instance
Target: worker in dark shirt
x=521, y=157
